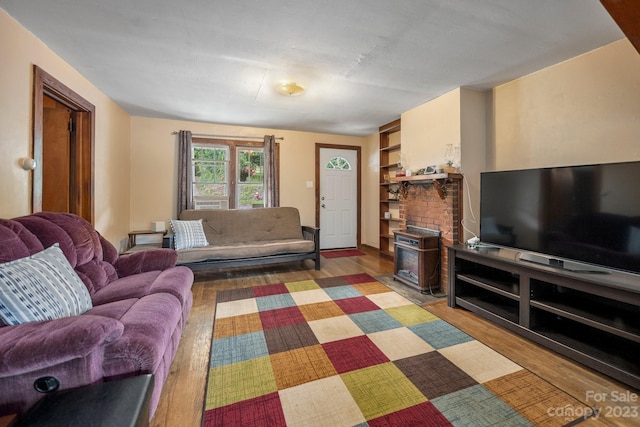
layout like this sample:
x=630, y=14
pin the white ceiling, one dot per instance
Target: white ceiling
x=363, y=62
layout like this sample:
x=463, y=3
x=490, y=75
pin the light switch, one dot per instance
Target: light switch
x=309, y=184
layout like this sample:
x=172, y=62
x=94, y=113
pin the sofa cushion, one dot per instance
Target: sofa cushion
x=224, y=227
x=80, y=243
x=147, y=260
x=188, y=234
x=112, y=310
x=40, y=345
x=16, y=241
x=175, y=281
x=246, y=250
x=78, y=240
x=42, y=286
x=149, y=324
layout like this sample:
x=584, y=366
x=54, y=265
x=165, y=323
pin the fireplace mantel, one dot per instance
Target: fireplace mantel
x=439, y=181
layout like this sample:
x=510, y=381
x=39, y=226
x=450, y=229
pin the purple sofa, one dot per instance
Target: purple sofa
x=140, y=305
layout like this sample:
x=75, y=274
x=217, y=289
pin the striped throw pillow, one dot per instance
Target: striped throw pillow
x=42, y=286
x=188, y=234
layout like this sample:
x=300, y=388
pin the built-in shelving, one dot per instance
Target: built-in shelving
x=392, y=165
x=591, y=318
x=389, y=203
x=393, y=147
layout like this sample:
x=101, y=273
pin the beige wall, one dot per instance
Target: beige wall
x=154, y=165
x=428, y=128
x=582, y=111
x=19, y=51
x=473, y=142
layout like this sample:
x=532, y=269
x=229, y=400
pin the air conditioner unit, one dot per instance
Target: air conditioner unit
x=211, y=203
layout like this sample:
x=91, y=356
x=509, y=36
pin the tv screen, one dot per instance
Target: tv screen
x=587, y=213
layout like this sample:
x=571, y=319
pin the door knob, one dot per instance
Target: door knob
x=323, y=205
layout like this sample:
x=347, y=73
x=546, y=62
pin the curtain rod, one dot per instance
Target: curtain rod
x=281, y=138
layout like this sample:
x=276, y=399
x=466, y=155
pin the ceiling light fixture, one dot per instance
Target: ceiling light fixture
x=289, y=88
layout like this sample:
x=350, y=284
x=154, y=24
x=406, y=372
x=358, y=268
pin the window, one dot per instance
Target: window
x=210, y=176
x=339, y=163
x=227, y=174
x=250, y=177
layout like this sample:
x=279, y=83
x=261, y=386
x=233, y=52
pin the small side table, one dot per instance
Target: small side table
x=134, y=234
x=122, y=403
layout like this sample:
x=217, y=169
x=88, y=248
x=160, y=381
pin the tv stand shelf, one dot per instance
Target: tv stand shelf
x=592, y=318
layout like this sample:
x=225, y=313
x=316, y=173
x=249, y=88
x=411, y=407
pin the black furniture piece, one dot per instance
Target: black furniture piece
x=122, y=403
x=590, y=317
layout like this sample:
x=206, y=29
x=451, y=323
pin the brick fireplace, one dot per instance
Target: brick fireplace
x=436, y=205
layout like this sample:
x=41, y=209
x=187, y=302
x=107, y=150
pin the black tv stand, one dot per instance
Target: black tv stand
x=578, y=267
x=590, y=318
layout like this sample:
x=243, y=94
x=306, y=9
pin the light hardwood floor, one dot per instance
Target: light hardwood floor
x=182, y=401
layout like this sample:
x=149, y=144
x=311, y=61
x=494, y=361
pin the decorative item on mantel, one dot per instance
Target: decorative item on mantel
x=456, y=157
x=438, y=176
x=449, y=156
x=403, y=166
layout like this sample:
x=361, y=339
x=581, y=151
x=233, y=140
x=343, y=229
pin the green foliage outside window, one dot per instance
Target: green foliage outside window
x=210, y=166
x=211, y=174
x=251, y=163
x=251, y=179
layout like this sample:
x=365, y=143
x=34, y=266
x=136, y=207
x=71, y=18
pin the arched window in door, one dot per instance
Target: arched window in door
x=338, y=163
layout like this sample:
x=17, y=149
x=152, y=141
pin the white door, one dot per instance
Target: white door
x=338, y=198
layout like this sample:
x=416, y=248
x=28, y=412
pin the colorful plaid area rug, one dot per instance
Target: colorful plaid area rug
x=348, y=351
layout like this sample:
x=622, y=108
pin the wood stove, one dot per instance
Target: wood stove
x=417, y=258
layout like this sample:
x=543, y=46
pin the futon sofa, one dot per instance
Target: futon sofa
x=126, y=321
x=206, y=239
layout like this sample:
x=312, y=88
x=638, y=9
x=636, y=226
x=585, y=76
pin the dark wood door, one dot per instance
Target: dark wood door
x=63, y=147
x=56, y=156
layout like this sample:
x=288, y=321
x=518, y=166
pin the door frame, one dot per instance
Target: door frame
x=83, y=155
x=358, y=151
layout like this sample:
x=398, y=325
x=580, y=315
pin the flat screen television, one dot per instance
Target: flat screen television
x=582, y=216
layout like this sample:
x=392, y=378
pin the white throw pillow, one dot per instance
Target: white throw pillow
x=188, y=234
x=42, y=286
